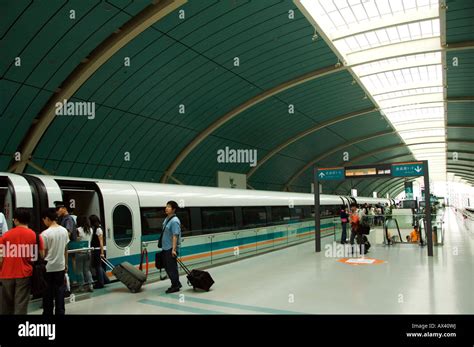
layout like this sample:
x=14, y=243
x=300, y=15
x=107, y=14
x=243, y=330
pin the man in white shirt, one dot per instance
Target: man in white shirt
x=55, y=240
x=3, y=224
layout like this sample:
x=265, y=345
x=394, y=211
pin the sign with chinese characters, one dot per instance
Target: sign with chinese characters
x=330, y=174
x=407, y=169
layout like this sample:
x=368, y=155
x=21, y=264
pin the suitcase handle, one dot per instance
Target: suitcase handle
x=107, y=263
x=144, y=253
x=185, y=268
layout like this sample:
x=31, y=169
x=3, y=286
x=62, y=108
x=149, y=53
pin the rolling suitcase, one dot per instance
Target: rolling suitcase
x=197, y=278
x=128, y=275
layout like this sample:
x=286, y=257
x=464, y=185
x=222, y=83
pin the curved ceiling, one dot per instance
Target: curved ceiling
x=182, y=97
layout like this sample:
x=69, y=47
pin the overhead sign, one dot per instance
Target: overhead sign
x=369, y=171
x=378, y=170
x=407, y=169
x=330, y=174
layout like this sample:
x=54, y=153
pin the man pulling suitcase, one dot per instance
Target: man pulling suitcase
x=170, y=241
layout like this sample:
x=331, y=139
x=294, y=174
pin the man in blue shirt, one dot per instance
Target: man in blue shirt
x=66, y=220
x=171, y=241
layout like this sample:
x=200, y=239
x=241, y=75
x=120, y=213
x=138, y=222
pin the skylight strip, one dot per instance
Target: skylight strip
x=395, y=34
x=409, y=91
x=394, y=50
x=410, y=100
x=399, y=64
x=412, y=19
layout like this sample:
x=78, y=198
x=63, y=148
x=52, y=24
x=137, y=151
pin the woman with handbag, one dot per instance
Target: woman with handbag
x=83, y=259
x=97, y=242
x=344, y=220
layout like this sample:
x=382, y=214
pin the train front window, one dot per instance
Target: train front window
x=122, y=222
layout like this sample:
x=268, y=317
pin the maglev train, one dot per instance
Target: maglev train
x=218, y=224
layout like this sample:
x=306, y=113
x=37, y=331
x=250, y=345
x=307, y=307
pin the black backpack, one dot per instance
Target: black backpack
x=38, y=282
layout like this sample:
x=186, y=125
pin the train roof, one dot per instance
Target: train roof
x=157, y=194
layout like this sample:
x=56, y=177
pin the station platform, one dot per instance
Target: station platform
x=296, y=280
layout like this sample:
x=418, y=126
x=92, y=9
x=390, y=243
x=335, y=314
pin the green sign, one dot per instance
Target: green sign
x=330, y=174
x=407, y=169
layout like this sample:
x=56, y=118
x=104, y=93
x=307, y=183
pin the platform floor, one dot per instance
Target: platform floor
x=296, y=280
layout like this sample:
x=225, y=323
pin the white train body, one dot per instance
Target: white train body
x=215, y=220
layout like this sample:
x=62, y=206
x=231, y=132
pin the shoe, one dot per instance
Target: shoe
x=172, y=290
x=96, y=286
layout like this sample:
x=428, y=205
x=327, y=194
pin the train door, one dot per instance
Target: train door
x=15, y=192
x=345, y=202
x=82, y=197
x=348, y=201
x=352, y=200
x=122, y=219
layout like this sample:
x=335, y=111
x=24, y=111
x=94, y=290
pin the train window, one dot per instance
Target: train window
x=122, y=221
x=183, y=215
x=153, y=217
x=217, y=219
x=152, y=220
x=326, y=211
x=280, y=214
x=297, y=213
x=253, y=216
x=329, y=210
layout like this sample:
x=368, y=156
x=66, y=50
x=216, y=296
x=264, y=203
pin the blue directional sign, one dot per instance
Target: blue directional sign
x=407, y=169
x=331, y=174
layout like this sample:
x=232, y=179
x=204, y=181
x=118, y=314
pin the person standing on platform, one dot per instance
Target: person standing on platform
x=55, y=240
x=170, y=242
x=66, y=220
x=355, y=224
x=16, y=269
x=97, y=242
x=344, y=220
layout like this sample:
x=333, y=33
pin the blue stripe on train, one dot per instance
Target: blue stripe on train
x=208, y=247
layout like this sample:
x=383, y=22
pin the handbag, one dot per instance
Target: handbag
x=38, y=282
